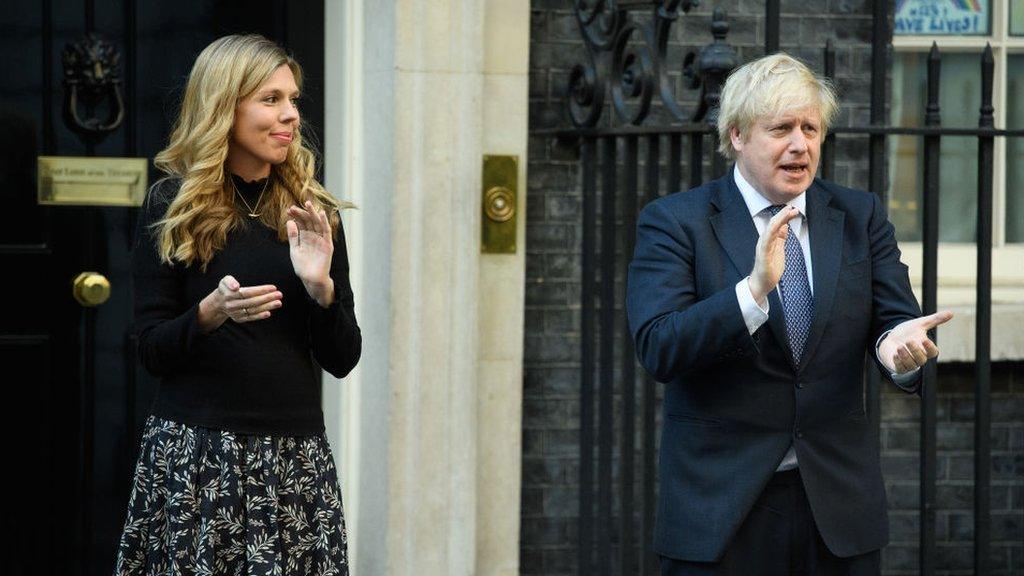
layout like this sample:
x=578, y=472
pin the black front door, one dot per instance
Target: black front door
x=76, y=396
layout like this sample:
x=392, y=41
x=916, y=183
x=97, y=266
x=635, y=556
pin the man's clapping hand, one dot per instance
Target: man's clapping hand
x=770, y=256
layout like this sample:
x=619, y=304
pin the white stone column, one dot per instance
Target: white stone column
x=429, y=423
x=434, y=272
x=506, y=42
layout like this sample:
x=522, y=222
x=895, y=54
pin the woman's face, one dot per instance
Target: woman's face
x=266, y=122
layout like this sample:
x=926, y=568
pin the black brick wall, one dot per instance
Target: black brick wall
x=900, y=439
x=551, y=363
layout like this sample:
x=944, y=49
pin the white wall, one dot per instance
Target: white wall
x=427, y=430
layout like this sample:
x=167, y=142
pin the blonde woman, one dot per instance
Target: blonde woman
x=241, y=281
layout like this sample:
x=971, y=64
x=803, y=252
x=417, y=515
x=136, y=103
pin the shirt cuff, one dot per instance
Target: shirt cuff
x=753, y=315
x=896, y=378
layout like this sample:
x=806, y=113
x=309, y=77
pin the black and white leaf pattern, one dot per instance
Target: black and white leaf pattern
x=209, y=502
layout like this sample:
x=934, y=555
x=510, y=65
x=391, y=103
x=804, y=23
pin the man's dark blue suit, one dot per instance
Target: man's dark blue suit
x=735, y=402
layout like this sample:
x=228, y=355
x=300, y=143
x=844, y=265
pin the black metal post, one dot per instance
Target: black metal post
x=828, y=149
x=649, y=560
x=717, y=160
x=587, y=356
x=877, y=162
x=983, y=335
x=771, y=26
x=930, y=226
x=696, y=159
x=607, y=352
x=631, y=186
x=675, y=158
x=879, y=45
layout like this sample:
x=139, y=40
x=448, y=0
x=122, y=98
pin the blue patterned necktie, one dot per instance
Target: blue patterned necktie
x=797, y=300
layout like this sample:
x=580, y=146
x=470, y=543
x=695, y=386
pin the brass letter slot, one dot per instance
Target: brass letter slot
x=500, y=204
x=92, y=181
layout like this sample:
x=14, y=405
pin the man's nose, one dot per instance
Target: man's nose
x=797, y=141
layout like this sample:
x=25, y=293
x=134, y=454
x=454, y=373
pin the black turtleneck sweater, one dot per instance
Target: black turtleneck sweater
x=256, y=377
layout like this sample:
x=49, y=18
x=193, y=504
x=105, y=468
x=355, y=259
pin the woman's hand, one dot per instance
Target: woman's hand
x=311, y=249
x=241, y=304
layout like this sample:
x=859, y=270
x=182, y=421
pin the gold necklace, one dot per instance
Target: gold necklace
x=252, y=209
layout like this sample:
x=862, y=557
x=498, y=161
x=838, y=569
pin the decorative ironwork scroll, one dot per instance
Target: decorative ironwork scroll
x=630, y=60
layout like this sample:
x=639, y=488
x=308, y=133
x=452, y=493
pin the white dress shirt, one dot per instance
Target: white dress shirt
x=753, y=315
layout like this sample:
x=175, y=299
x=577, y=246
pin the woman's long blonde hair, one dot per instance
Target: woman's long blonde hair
x=202, y=213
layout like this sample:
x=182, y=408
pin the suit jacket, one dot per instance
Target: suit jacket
x=735, y=402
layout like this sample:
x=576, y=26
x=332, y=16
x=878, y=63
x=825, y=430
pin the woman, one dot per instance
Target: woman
x=241, y=280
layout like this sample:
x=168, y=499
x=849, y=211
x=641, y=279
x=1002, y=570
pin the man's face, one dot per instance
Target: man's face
x=779, y=156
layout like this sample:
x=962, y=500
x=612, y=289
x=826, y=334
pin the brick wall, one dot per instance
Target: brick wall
x=955, y=465
x=551, y=363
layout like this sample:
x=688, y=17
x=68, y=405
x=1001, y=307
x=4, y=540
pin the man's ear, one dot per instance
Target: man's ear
x=736, y=138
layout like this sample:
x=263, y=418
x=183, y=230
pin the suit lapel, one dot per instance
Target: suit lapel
x=826, y=230
x=733, y=225
x=737, y=234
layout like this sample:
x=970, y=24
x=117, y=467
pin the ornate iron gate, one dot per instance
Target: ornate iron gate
x=624, y=111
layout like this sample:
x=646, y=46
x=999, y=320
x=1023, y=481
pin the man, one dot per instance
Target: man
x=754, y=297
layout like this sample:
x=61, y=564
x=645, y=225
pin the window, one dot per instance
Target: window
x=1017, y=18
x=1015, y=148
x=961, y=28
x=959, y=102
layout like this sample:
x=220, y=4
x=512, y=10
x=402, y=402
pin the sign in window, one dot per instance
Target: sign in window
x=942, y=17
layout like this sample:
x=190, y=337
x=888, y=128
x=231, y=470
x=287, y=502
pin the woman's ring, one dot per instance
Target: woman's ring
x=246, y=311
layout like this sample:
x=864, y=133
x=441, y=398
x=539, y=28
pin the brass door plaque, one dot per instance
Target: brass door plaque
x=500, y=204
x=92, y=181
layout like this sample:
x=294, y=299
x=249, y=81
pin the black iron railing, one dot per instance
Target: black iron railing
x=610, y=101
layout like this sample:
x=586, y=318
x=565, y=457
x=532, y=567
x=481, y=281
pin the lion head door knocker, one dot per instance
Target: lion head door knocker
x=92, y=74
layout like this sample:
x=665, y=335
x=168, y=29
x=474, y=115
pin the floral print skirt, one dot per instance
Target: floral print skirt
x=207, y=502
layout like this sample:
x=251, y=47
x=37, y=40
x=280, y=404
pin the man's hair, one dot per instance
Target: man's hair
x=767, y=88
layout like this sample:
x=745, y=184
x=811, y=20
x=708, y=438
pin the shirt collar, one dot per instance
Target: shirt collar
x=756, y=202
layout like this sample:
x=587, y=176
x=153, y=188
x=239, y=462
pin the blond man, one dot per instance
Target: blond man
x=754, y=298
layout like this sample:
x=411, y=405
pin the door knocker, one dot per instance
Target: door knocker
x=92, y=73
